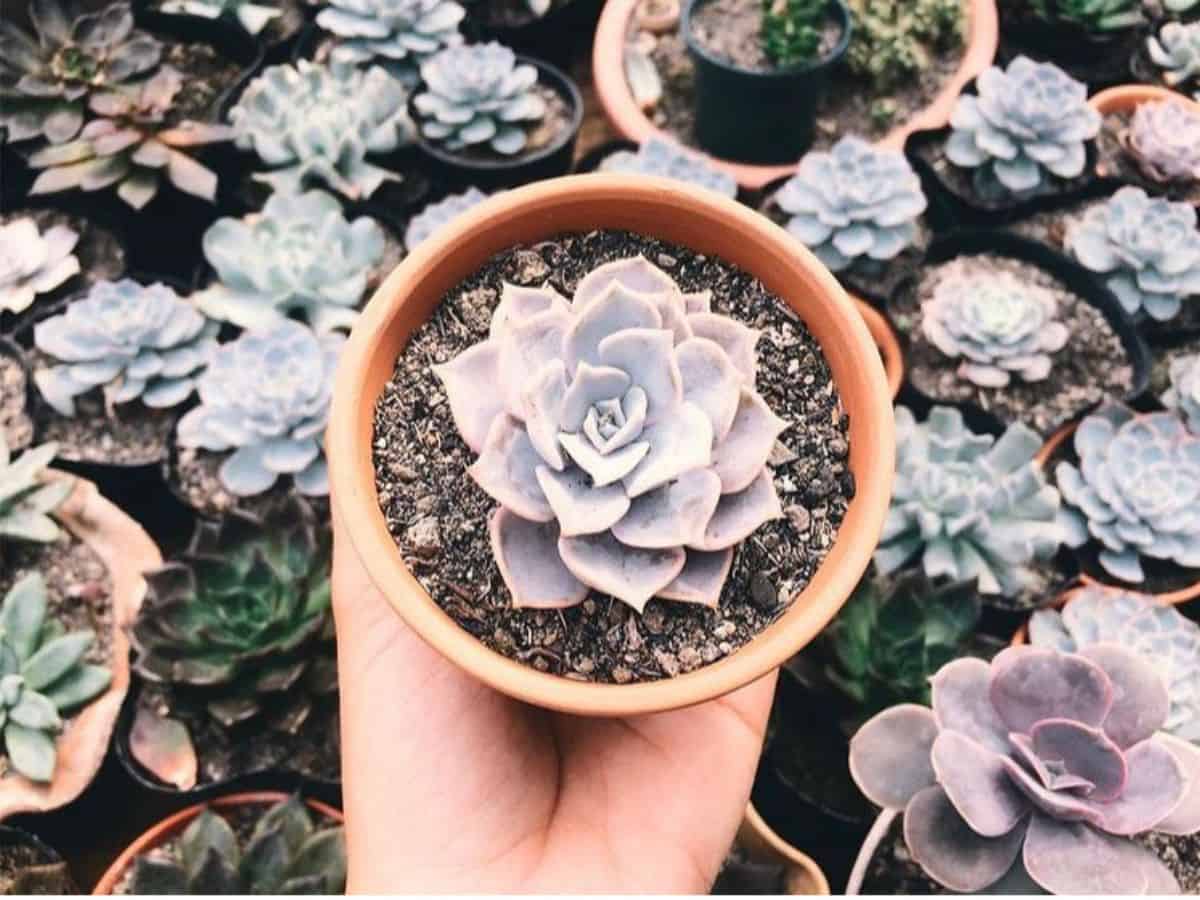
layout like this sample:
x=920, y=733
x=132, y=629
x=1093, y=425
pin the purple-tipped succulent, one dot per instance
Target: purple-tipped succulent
x=1163, y=138
x=622, y=436
x=1041, y=765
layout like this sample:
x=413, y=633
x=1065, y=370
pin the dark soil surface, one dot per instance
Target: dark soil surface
x=846, y=107
x=731, y=30
x=507, y=13
x=1116, y=162
x=15, y=424
x=1160, y=374
x=313, y=751
x=1092, y=366
x=439, y=516
x=207, y=77
x=547, y=132
x=193, y=476
x=18, y=855
x=1182, y=856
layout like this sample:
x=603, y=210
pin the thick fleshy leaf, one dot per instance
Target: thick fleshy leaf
x=702, y=578
x=739, y=458
x=526, y=349
x=31, y=752
x=1073, y=858
x=527, y=555
x=1054, y=779
x=519, y=303
x=579, y=507
x=1083, y=751
x=1062, y=805
x=949, y=851
x=631, y=575
x=604, y=468
x=1156, y=786
x=975, y=780
x=647, y=356
x=678, y=444
x=1030, y=684
x=507, y=471
x=614, y=311
x=739, y=515
x=961, y=703
x=1140, y=698
x=1185, y=817
x=890, y=755
x=591, y=385
x=671, y=515
x=635, y=273
x=711, y=382
x=474, y=410
x=543, y=403
x=737, y=340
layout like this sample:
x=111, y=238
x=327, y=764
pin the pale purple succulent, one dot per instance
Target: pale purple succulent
x=1164, y=140
x=1041, y=765
x=622, y=436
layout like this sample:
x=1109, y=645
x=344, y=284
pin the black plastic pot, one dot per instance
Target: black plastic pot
x=753, y=116
x=275, y=39
x=46, y=856
x=561, y=37
x=456, y=172
x=1098, y=60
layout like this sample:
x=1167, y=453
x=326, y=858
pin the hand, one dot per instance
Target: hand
x=452, y=787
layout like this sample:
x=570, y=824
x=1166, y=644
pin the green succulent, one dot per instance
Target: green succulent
x=42, y=676
x=893, y=40
x=791, y=30
x=894, y=634
x=26, y=500
x=243, y=618
x=286, y=854
x=1095, y=15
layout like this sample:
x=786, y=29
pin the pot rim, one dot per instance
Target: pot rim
x=759, y=839
x=1126, y=96
x=699, y=219
x=164, y=829
x=887, y=342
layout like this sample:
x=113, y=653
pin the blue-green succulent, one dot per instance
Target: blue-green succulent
x=667, y=159
x=1176, y=50
x=253, y=17
x=435, y=215
x=397, y=33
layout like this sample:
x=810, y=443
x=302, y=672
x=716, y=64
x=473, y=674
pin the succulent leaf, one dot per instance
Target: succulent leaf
x=1184, y=393
x=27, y=497
x=1176, y=50
x=1163, y=138
x=33, y=263
x=1097, y=16
x=435, y=215
x=398, y=33
x=252, y=16
x=666, y=159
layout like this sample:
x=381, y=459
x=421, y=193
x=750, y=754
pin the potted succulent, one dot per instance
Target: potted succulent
x=488, y=118
x=1168, y=58
x=1093, y=41
x=29, y=866
x=699, y=224
x=260, y=842
x=661, y=158
x=1043, y=771
x=439, y=213
x=257, y=588
x=273, y=23
x=555, y=30
x=65, y=656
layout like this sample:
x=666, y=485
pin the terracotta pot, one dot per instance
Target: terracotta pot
x=658, y=16
x=163, y=831
x=1021, y=636
x=608, y=74
x=887, y=342
x=762, y=844
x=1129, y=96
x=675, y=212
x=126, y=551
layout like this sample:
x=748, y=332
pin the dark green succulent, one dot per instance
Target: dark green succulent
x=791, y=30
x=286, y=854
x=242, y=618
x=895, y=633
x=46, y=77
x=1097, y=16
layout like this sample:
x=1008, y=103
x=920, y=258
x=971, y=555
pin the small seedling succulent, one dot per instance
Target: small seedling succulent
x=999, y=326
x=894, y=40
x=1159, y=634
x=970, y=505
x=33, y=263
x=265, y=397
x=1136, y=490
x=1148, y=247
x=1098, y=16
x=478, y=94
x=26, y=497
x=299, y=255
x=1184, y=393
x=253, y=17
x=318, y=123
x=622, y=436
x=853, y=203
x=1176, y=50
x=1025, y=123
x=132, y=146
x=285, y=854
x=1163, y=138
x=131, y=341
x=1044, y=761
x=666, y=159
x=435, y=215
x=894, y=634
x=791, y=30
x=46, y=77
x=242, y=618
x=398, y=33
x=43, y=676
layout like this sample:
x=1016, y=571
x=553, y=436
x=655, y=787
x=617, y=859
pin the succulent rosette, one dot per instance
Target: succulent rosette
x=1184, y=393
x=622, y=436
x=1164, y=140
x=1037, y=769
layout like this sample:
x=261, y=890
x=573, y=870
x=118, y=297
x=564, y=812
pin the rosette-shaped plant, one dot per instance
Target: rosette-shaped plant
x=400, y=32
x=478, y=94
x=1164, y=140
x=46, y=77
x=43, y=675
x=435, y=215
x=313, y=122
x=299, y=255
x=854, y=202
x=1158, y=634
x=1041, y=766
x=999, y=326
x=131, y=147
x=242, y=617
x=33, y=263
x=1147, y=246
x=1184, y=393
x=666, y=159
x=133, y=342
x=1136, y=490
x=622, y=436
x=971, y=505
x=1096, y=16
x=1026, y=122
x=1176, y=50
x=285, y=854
x=265, y=397
x=254, y=17
x=26, y=497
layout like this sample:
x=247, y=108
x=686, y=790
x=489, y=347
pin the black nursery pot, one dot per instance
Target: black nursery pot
x=1098, y=60
x=561, y=36
x=456, y=172
x=754, y=116
x=12, y=841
